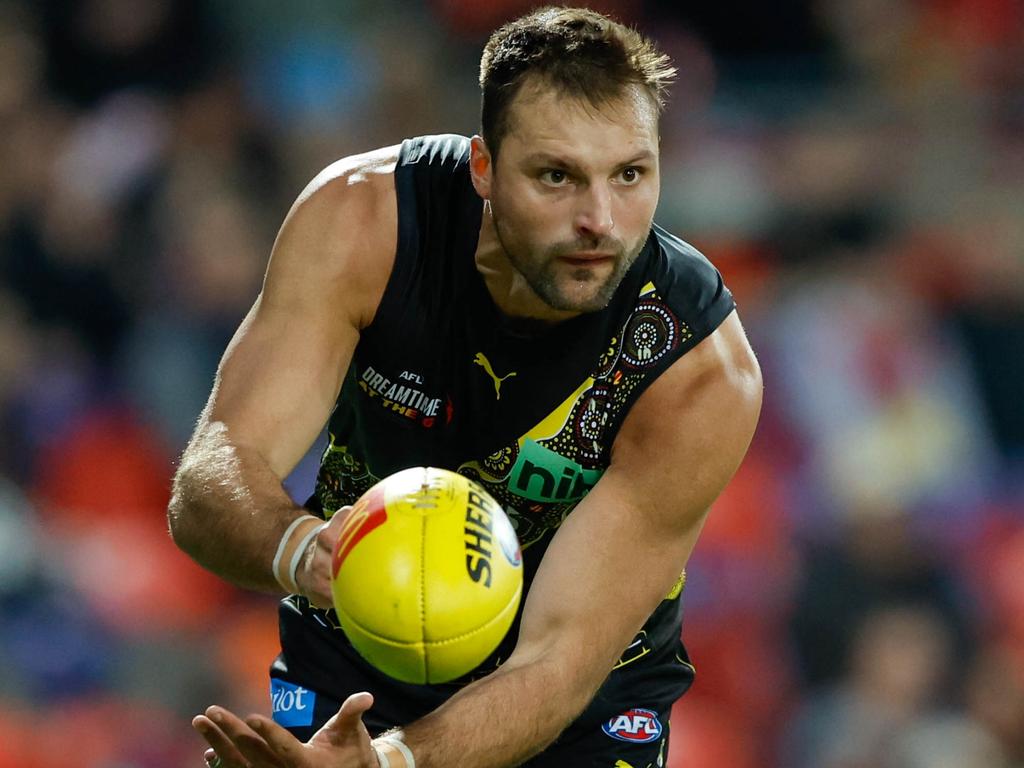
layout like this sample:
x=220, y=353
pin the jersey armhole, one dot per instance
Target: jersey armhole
x=701, y=323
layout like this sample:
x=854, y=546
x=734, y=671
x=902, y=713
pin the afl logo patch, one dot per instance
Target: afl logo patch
x=637, y=726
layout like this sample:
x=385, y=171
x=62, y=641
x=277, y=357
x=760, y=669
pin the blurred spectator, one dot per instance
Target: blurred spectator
x=881, y=394
x=95, y=47
x=877, y=561
x=949, y=741
x=205, y=275
x=896, y=668
x=995, y=698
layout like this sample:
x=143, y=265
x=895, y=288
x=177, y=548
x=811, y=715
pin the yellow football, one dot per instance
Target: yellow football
x=426, y=575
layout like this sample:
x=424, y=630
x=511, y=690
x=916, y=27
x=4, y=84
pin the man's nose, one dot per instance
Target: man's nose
x=594, y=212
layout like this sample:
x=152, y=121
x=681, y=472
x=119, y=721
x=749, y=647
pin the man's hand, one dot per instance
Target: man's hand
x=314, y=572
x=259, y=742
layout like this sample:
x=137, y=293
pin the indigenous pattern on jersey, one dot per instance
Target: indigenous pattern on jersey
x=529, y=410
x=541, y=476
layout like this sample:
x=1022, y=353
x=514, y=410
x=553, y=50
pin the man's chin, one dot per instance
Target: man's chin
x=593, y=300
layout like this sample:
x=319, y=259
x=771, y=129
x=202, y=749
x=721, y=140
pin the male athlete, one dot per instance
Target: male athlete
x=506, y=308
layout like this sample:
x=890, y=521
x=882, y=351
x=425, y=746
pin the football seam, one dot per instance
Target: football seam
x=423, y=593
x=424, y=643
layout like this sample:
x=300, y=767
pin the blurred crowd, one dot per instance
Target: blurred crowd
x=854, y=167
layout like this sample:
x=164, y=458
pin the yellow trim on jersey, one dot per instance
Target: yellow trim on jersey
x=553, y=423
x=629, y=658
x=677, y=588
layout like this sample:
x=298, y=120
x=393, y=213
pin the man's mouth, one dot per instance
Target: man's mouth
x=587, y=258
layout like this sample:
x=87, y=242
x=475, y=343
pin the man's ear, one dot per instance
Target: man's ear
x=481, y=169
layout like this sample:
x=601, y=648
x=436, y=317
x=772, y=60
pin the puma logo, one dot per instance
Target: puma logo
x=484, y=363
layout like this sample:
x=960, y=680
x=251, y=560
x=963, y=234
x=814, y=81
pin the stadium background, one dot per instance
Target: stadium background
x=854, y=167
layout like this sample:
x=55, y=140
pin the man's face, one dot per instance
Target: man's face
x=573, y=192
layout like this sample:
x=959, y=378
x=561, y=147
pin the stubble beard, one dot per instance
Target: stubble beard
x=541, y=269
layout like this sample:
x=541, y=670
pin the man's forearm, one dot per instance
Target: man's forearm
x=519, y=710
x=228, y=509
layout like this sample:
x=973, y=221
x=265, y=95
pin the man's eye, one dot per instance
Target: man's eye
x=631, y=175
x=554, y=177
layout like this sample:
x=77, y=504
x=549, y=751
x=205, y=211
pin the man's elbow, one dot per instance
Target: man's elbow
x=193, y=488
x=191, y=501
x=179, y=513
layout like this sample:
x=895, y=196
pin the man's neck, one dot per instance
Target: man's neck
x=509, y=290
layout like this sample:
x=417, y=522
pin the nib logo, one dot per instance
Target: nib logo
x=542, y=475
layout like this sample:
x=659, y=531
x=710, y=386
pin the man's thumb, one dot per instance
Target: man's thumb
x=347, y=721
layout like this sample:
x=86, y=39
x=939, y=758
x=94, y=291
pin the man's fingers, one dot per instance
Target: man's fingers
x=252, y=747
x=314, y=575
x=280, y=741
x=222, y=746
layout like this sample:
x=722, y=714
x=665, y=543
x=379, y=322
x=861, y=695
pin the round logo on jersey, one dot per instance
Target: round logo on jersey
x=652, y=332
x=590, y=421
x=636, y=726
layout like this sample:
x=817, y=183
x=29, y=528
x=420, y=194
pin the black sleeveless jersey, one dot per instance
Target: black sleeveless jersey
x=442, y=378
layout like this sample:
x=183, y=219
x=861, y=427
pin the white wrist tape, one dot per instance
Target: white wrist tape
x=300, y=550
x=382, y=759
x=287, y=555
x=398, y=744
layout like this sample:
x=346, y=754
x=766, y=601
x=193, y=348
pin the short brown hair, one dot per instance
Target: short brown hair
x=576, y=51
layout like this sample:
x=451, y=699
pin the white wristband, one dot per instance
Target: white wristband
x=288, y=584
x=301, y=550
x=397, y=743
x=382, y=759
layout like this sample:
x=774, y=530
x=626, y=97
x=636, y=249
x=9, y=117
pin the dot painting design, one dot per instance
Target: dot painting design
x=650, y=335
x=591, y=420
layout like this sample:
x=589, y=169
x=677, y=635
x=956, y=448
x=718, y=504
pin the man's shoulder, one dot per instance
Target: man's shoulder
x=377, y=167
x=444, y=149
x=341, y=230
x=688, y=281
x=353, y=178
x=678, y=255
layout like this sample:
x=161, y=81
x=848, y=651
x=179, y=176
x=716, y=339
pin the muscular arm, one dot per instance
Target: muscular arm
x=282, y=371
x=613, y=560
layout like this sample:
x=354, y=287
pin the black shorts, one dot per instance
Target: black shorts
x=625, y=726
